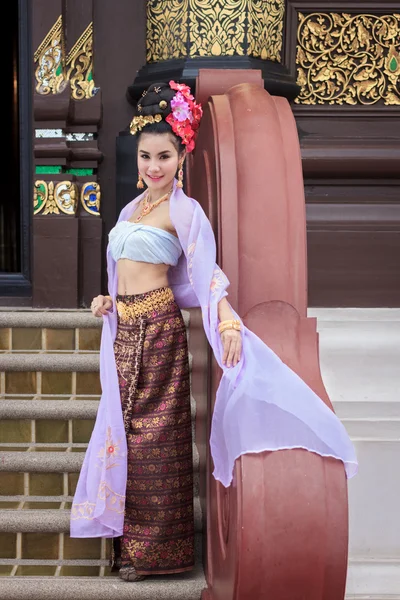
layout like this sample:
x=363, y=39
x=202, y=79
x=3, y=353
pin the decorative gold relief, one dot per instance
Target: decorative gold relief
x=49, y=73
x=51, y=207
x=167, y=33
x=180, y=28
x=217, y=27
x=80, y=66
x=348, y=59
x=66, y=197
x=90, y=197
x=50, y=200
x=40, y=195
x=266, y=29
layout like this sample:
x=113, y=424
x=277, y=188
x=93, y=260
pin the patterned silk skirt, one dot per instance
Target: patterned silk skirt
x=153, y=370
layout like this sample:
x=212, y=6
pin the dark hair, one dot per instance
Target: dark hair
x=149, y=104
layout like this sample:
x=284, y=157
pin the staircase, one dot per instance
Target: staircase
x=360, y=358
x=49, y=394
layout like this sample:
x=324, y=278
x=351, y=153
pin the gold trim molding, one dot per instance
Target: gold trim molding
x=347, y=59
x=80, y=66
x=200, y=28
x=50, y=71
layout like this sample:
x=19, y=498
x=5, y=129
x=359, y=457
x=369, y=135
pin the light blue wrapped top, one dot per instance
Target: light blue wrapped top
x=144, y=243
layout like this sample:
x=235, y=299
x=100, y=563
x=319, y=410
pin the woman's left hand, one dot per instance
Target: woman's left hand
x=232, y=343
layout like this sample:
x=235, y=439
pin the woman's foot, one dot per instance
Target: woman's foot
x=129, y=574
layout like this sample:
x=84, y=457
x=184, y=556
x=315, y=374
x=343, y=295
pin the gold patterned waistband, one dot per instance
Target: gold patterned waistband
x=132, y=307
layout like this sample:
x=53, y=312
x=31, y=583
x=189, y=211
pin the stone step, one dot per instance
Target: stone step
x=366, y=428
x=80, y=362
x=185, y=586
x=54, y=409
x=53, y=462
x=54, y=520
x=56, y=362
x=54, y=319
x=49, y=319
x=48, y=409
x=371, y=409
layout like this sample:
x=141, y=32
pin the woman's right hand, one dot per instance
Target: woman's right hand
x=101, y=305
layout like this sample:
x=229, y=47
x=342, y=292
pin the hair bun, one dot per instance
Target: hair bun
x=155, y=100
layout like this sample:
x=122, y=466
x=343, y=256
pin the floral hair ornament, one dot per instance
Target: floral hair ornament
x=184, y=118
x=185, y=115
x=139, y=122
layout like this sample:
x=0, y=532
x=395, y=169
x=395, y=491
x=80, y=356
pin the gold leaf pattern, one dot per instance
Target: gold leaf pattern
x=40, y=195
x=66, y=196
x=348, y=59
x=180, y=28
x=217, y=27
x=167, y=33
x=266, y=29
x=80, y=66
x=50, y=73
x=51, y=207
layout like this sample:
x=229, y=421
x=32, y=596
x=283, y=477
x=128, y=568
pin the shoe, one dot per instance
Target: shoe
x=129, y=574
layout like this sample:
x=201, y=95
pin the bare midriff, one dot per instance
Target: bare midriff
x=139, y=277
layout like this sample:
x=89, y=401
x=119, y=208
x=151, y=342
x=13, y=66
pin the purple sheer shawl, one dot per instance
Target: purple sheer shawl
x=261, y=403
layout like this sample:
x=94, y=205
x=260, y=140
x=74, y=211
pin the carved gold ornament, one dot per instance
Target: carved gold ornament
x=166, y=36
x=348, y=59
x=50, y=199
x=90, y=197
x=80, y=66
x=217, y=27
x=40, y=195
x=266, y=29
x=194, y=28
x=49, y=73
x=66, y=197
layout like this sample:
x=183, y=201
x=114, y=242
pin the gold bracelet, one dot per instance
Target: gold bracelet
x=229, y=324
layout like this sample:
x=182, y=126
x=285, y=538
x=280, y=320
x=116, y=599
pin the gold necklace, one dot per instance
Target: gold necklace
x=148, y=207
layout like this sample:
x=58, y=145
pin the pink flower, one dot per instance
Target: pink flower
x=180, y=108
x=181, y=87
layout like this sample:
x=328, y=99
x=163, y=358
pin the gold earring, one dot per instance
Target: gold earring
x=180, y=175
x=140, y=184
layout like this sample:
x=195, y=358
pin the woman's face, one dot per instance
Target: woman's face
x=157, y=161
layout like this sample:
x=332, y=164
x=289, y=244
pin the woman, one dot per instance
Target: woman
x=161, y=258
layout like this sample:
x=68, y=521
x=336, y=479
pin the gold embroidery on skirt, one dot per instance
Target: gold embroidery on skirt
x=153, y=302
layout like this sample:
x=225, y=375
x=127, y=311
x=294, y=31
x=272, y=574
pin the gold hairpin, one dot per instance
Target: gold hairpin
x=139, y=122
x=157, y=90
x=144, y=93
x=163, y=104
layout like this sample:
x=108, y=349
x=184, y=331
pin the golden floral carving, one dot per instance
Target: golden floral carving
x=348, y=59
x=217, y=27
x=50, y=199
x=167, y=33
x=66, y=196
x=80, y=66
x=90, y=197
x=50, y=73
x=51, y=207
x=180, y=28
x=266, y=29
x=40, y=195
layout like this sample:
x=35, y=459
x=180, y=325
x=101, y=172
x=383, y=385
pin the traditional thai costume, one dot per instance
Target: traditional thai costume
x=140, y=450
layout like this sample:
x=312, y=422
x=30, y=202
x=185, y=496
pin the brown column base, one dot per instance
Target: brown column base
x=55, y=262
x=90, y=252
